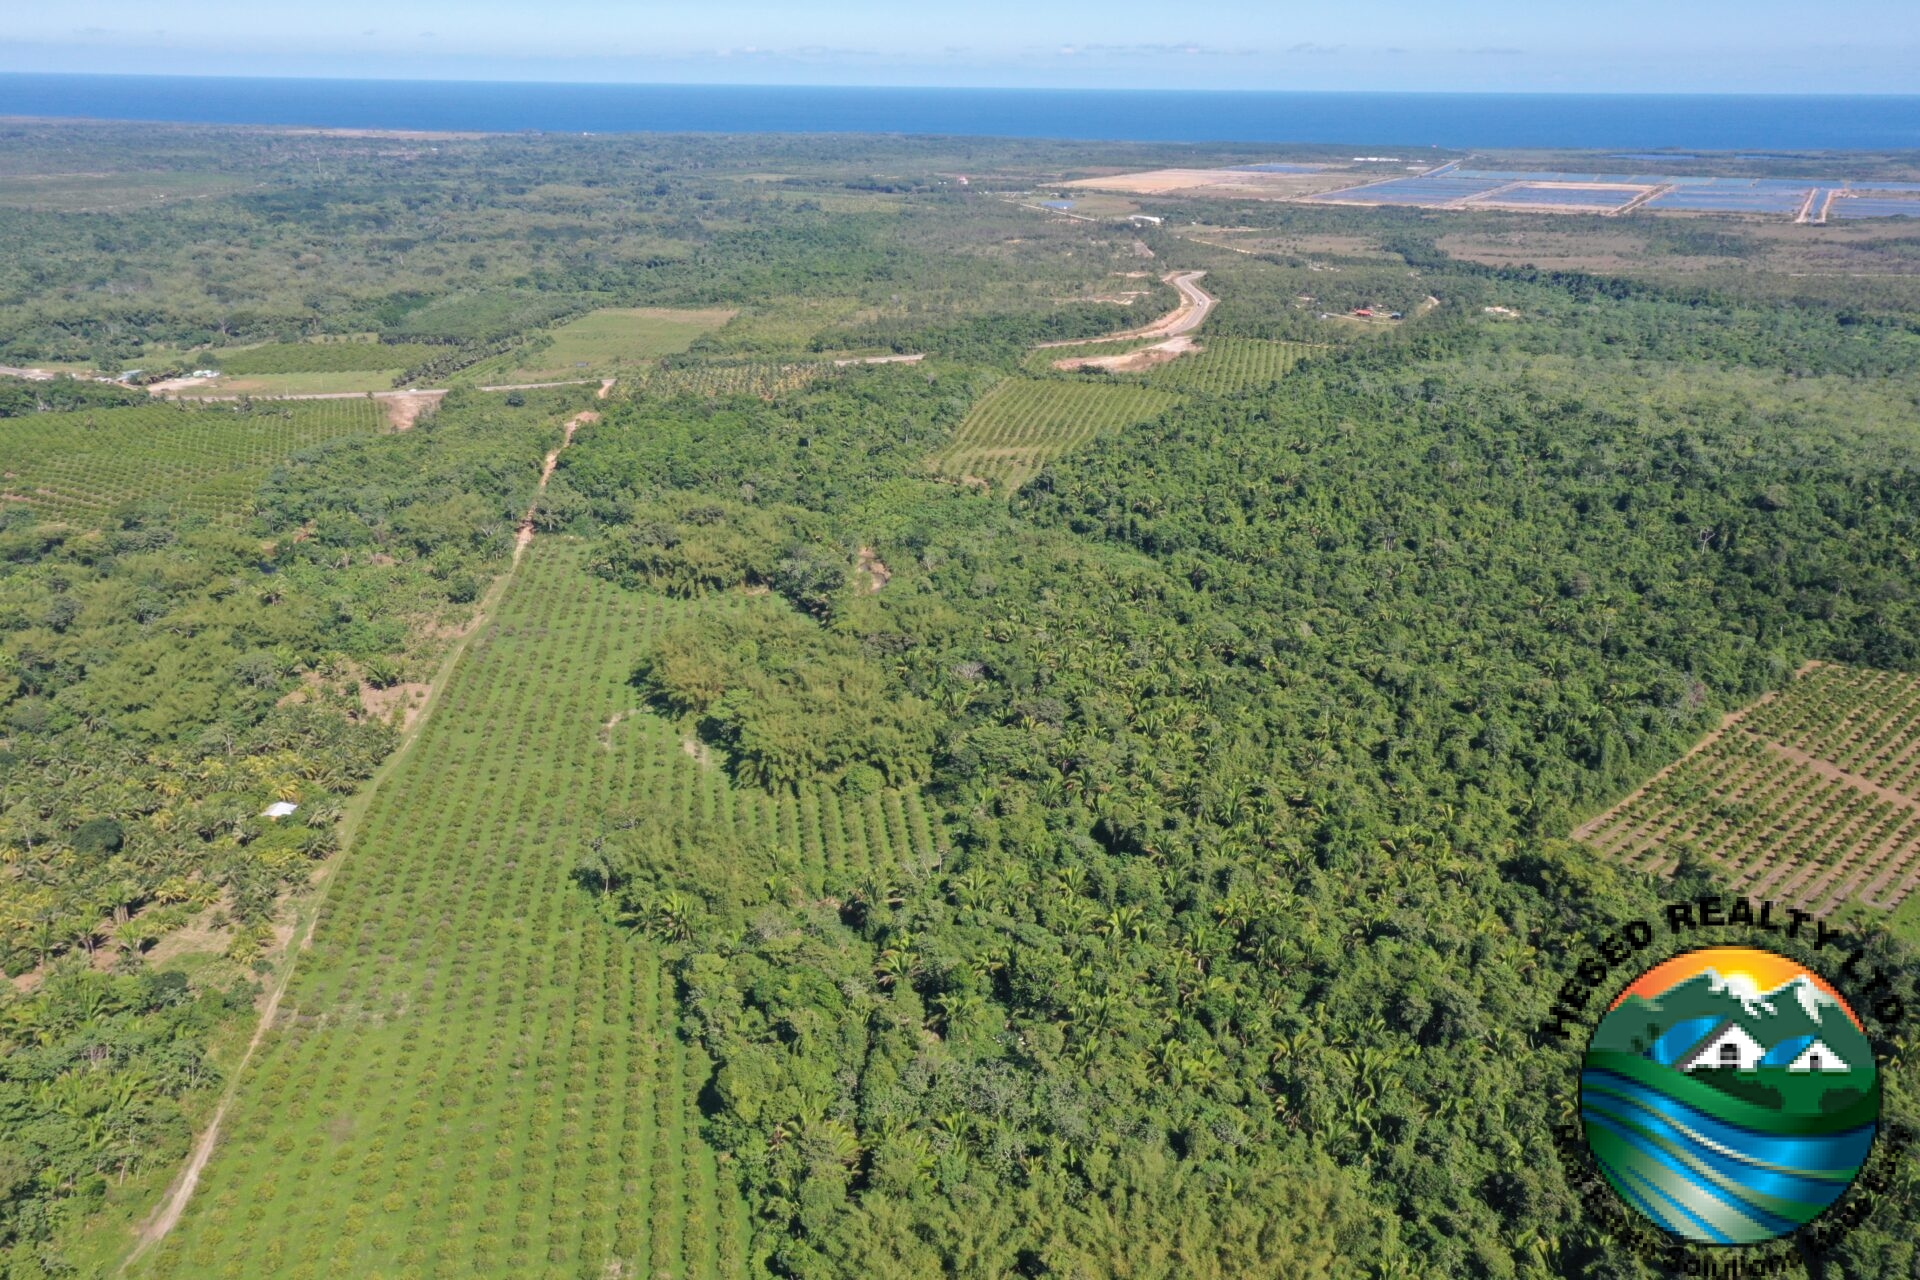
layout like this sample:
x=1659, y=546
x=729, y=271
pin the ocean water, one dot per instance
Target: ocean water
x=1375, y=120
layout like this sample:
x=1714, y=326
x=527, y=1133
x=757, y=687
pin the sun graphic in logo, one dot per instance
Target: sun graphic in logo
x=1730, y=1095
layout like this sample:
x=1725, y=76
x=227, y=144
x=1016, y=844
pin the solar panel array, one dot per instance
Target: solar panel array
x=1566, y=197
x=1874, y=207
x=1546, y=189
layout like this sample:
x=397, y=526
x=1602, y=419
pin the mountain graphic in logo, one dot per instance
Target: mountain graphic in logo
x=1730, y=1095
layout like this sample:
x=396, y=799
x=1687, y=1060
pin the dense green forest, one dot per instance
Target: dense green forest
x=1259, y=731
x=1159, y=870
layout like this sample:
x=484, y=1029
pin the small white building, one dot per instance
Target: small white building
x=1818, y=1057
x=278, y=809
x=1730, y=1046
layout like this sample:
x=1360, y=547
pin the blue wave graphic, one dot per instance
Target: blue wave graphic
x=1707, y=1179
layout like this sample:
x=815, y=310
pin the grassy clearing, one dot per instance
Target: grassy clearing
x=324, y=357
x=210, y=460
x=604, y=342
x=1023, y=423
x=781, y=325
x=301, y=384
x=88, y=192
x=1812, y=796
x=473, y=1073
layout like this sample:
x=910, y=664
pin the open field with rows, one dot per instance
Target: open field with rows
x=763, y=378
x=1023, y=423
x=325, y=357
x=210, y=460
x=1224, y=366
x=1812, y=796
x=472, y=1072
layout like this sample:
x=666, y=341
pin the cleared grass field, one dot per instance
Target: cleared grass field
x=778, y=326
x=298, y=384
x=604, y=342
x=89, y=192
x=1023, y=423
x=1812, y=796
x=472, y=1073
x=210, y=460
x=325, y=357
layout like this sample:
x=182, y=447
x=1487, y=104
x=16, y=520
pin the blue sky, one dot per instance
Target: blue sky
x=1839, y=46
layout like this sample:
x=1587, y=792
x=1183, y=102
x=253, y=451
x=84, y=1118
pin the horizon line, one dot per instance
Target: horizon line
x=948, y=88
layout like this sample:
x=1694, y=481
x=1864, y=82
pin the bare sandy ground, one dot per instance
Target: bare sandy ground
x=913, y=359
x=1133, y=361
x=406, y=409
x=1215, y=182
x=878, y=575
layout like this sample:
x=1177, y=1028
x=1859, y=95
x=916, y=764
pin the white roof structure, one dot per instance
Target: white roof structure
x=1818, y=1057
x=278, y=809
x=1731, y=1046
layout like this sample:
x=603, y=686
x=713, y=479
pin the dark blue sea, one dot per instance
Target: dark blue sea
x=1586, y=121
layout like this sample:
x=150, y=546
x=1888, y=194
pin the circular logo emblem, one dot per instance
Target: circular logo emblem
x=1730, y=1095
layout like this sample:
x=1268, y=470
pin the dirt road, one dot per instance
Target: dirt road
x=1195, y=304
x=386, y=395
x=524, y=538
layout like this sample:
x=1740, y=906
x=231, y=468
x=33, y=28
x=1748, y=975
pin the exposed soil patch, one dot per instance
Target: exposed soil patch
x=177, y=384
x=312, y=684
x=1133, y=361
x=409, y=697
x=613, y=722
x=700, y=751
x=878, y=575
x=913, y=359
x=406, y=409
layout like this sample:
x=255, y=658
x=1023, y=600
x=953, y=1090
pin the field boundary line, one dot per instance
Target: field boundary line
x=1834, y=773
x=180, y=1192
x=1586, y=830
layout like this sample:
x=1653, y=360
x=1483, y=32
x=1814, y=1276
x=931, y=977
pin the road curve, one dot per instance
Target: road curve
x=1195, y=305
